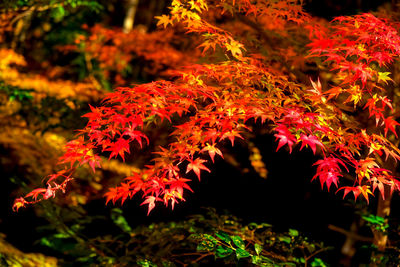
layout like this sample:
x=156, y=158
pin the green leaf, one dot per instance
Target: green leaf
x=285, y=239
x=58, y=13
x=238, y=241
x=241, y=253
x=255, y=259
x=207, y=244
x=223, y=236
x=262, y=261
x=46, y=242
x=223, y=252
x=210, y=238
x=62, y=235
x=374, y=219
x=254, y=225
x=145, y=263
x=266, y=225
x=293, y=232
x=317, y=262
x=258, y=248
x=119, y=220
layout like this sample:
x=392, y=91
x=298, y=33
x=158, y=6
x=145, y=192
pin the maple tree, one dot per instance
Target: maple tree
x=219, y=99
x=248, y=84
x=112, y=54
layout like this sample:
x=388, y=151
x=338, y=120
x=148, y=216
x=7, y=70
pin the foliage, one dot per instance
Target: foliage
x=274, y=249
x=113, y=56
x=389, y=257
x=174, y=243
x=10, y=256
x=259, y=67
x=220, y=100
x=376, y=222
x=40, y=85
x=35, y=4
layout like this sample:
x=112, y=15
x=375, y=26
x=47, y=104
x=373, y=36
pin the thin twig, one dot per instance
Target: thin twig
x=347, y=233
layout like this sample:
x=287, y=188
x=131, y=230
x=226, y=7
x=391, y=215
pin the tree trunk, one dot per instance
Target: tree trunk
x=383, y=210
x=130, y=15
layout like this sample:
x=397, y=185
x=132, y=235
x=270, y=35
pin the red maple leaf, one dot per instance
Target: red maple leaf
x=119, y=148
x=35, y=193
x=135, y=135
x=285, y=137
x=150, y=200
x=179, y=184
x=357, y=190
x=312, y=141
x=111, y=194
x=231, y=135
x=328, y=171
x=196, y=166
x=390, y=124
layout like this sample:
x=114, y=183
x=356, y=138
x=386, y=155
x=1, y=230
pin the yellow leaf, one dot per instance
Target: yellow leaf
x=163, y=20
x=384, y=76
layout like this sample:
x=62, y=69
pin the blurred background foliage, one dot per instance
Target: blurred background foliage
x=59, y=56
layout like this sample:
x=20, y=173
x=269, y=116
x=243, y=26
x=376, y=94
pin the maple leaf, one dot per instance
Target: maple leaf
x=136, y=135
x=333, y=92
x=19, y=203
x=384, y=76
x=53, y=177
x=372, y=109
x=35, y=193
x=376, y=147
x=207, y=45
x=365, y=167
x=390, y=124
x=178, y=185
x=328, y=171
x=196, y=166
x=285, y=137
x=175, y=192
x=317, y=87
x=357, y=190
x=119, y=148
x=163, y=20
x=95, y=162
x=96, y=113
x=124, y=191
x=212, y=150
x=150, y=200
x=212, y=135
x=312, y=141
x=386, y=102
x=377, y=182
x=321, y=45
x=231, y=135
x=172, y=195
x=111, y=194
x=316, y=92
x=50, y=192
x=235, y=48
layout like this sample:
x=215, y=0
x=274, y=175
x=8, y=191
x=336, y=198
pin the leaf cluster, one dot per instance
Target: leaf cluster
x=202, y=239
